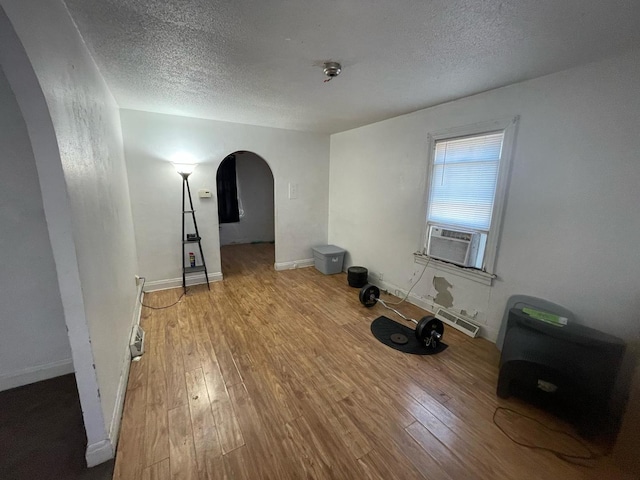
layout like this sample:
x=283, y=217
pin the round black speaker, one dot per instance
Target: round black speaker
x=357, y=276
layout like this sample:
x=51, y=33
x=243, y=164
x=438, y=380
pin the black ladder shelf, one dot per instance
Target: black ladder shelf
x=187, y=241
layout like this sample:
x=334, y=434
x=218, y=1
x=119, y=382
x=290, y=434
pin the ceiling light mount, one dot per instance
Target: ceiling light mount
x=331, y=70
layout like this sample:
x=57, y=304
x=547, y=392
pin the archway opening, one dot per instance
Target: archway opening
x=50, y=194
x=246, y=213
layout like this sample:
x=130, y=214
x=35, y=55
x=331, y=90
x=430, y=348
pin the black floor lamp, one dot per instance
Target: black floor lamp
x=186, y=169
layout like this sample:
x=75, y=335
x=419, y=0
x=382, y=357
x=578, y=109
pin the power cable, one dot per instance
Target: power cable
x=158, y=308
x=412, y=286
x=565, y=457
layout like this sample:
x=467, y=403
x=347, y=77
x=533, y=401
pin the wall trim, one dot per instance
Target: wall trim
x=306, y=262
x=99, y=452
x=36, y=373
x=116, y=418
x=170, y=283
x=479, y=276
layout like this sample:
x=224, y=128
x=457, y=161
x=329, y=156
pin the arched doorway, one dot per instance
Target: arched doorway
x=30, y=97
x=246, y=212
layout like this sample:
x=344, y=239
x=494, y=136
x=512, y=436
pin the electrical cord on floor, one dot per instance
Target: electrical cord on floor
x=565, y=457
x=412, y=286
x=158, y=308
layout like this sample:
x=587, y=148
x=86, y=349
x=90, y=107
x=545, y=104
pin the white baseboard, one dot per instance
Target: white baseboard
x=99, y=452
x=116, y=418
x=170, y=283
x=307, y=262
x=36, y=374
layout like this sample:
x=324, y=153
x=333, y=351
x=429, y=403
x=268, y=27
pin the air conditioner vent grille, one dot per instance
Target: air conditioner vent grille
x=466, y=325
x=446, y=315
x=456, y=235
x=457, y=322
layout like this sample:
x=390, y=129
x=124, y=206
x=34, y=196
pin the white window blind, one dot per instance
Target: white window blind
x=463, y=180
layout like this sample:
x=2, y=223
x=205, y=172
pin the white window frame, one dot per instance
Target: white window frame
x=487, y=273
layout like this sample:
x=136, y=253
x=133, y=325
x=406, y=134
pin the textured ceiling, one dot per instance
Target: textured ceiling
x=258, y=61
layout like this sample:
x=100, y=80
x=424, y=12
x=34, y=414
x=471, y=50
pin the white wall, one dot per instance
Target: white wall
x=572, y=219
x=151, y=139
x=33, y=344
x=96, y=265
x=255, y=190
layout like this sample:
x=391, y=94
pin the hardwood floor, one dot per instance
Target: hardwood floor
x=275, y=375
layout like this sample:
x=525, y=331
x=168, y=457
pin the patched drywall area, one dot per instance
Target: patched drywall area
x=444, y=296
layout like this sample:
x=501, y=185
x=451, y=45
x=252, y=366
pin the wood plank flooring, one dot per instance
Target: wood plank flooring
x=275, y=375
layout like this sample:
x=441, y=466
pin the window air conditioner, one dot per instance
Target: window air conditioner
x=455, y=246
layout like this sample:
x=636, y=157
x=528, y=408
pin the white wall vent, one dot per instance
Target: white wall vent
x=457, y=322
x=136, y=344
x=455, y=246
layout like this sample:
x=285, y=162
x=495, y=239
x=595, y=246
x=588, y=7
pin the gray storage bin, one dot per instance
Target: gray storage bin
x=328, y=259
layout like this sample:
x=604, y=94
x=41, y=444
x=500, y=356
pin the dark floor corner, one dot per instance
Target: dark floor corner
x=42, y=434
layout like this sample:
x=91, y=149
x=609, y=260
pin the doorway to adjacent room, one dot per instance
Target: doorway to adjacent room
x=246, y=212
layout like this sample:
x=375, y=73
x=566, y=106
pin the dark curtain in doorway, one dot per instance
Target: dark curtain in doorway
x=227, y=191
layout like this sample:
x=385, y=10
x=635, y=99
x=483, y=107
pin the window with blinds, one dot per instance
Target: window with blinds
x=463, y=181
x=465, y=195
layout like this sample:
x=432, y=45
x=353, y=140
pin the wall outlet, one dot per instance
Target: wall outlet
x=138, y=280
x=381, y=276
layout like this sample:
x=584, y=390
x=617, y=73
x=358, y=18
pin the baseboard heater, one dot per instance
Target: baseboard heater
x=137, y=341
x=458, y=322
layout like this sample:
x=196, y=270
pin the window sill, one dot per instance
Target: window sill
x=476, y=275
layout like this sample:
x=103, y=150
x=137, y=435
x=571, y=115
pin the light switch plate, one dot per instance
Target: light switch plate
x=293, y=191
